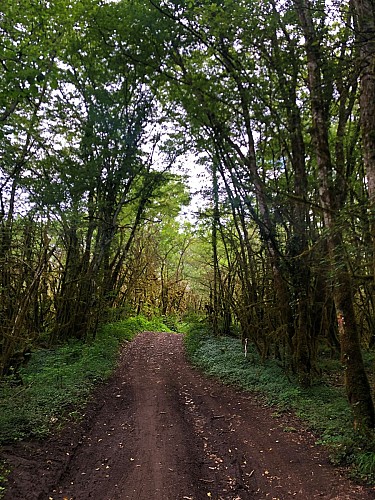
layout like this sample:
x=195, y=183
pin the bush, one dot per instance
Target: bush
x=365, y=462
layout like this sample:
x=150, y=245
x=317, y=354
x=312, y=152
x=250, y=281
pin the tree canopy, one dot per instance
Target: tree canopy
x=101, y=102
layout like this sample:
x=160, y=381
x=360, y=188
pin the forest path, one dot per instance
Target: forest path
x=160, y=430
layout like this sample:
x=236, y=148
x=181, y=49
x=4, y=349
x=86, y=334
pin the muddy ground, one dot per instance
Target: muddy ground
x=160, y=430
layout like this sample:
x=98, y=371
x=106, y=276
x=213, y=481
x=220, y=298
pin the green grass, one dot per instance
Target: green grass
x=58, y=382
x=323, y=407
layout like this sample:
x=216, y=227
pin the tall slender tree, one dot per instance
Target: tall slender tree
x=357, y=385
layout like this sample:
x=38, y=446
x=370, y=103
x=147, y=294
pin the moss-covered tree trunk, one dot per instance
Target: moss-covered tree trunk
x=365, y=29
x=356, y=381
x=215, y=259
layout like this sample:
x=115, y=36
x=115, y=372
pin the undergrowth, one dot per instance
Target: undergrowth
x=323, y=407
x=4, y=471
x=58, y=382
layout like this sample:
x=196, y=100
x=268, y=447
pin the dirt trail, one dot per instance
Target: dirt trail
x=160, y=430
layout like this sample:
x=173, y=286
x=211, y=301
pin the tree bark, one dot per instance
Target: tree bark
x=356, y=381
x=365, y=27
x=215, y=224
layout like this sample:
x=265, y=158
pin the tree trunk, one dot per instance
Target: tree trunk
x=365, y=16
x=356, y=381
x=215, y=224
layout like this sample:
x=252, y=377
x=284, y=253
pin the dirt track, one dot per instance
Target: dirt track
x=159, y=430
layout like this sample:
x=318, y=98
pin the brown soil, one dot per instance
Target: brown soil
x=160, y=430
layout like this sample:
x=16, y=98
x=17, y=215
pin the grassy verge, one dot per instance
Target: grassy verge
x=323, y=406
x=58, y=382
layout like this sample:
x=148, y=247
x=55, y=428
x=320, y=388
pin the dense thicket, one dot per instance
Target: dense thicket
x=85, y=178
x=276, y=99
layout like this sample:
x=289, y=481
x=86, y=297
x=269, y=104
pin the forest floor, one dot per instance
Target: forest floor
x=160, y=430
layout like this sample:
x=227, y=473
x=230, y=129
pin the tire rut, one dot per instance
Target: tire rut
x=159, y=429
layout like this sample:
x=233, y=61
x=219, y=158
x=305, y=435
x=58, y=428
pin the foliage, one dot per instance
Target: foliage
x=365, y=465
x=58, y=382
x=323, y=407
x=196, y=333
x=268, y=94
x=4, y=471
x=99, y=101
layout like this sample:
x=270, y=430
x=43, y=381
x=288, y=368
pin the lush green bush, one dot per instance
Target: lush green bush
x=323, y=407
x=58, y=382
